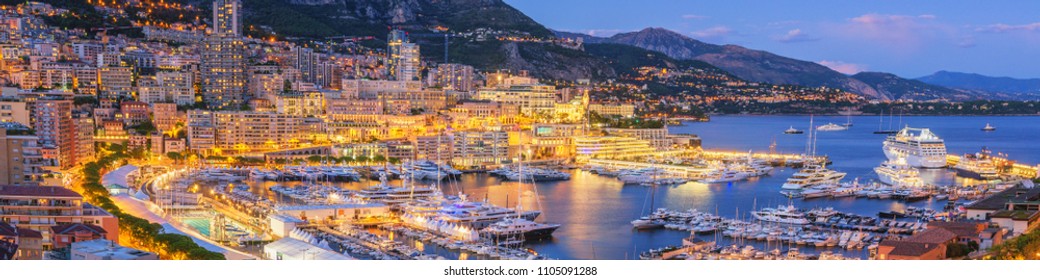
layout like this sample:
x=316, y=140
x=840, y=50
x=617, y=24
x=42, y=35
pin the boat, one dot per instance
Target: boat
x=899, y=174
x=831, y=127
x=522, y=229
x=793, y=130
x=918, y=147
x=782, y=215
x=881, y=122
x=977, y=166
x=848, y=121
x=479, y=215
x=811, y=176
x=724, y=175
x=988, y=128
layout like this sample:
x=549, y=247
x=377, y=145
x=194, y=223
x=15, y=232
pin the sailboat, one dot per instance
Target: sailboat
x=655, y=219
x=848, y=121
x=881, y=121
x=516, y=231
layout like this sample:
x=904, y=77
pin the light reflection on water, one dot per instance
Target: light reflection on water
x=595, y=211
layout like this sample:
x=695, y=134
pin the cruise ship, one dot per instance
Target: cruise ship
x=899, y=174
x=781, y=215
x=977, y=166
x=918, y=147
x=811, y=176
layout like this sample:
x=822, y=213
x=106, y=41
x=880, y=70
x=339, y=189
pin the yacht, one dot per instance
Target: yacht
x=724, y=175
x=989, y=128
x=782, y=215
x=918, y=147
x=512, y=229
x=812, y=175
x=654, y=220
x=831, y=127
x=479, y=215
x=977, y=166
x=793, y=130
x=899, y=174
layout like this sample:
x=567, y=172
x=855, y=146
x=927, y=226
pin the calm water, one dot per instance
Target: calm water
x=595, y=211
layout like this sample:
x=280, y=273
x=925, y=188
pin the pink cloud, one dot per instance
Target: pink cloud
x=696, y=17
x=905, y=33
x=843, y=67
x=1002, y=28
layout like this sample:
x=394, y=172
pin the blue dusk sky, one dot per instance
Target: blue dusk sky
x=908, y=38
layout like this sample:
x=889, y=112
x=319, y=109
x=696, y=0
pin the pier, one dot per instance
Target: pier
x=1005, y=166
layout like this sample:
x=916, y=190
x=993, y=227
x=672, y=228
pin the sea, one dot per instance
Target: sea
x=595, y=211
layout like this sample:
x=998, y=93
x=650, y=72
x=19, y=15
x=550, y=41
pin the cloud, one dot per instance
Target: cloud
x=1004, y=28
x=598, y=32
x=905, y=33
x=843, y=67
x=794, y=36
x=712, y=33
x=695, y=17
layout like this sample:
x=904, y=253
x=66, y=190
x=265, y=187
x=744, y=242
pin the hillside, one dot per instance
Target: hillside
x=747, y=64
x=977, y=82
x=900, y=88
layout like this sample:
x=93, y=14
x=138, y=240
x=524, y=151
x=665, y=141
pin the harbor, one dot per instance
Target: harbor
x=423, y=210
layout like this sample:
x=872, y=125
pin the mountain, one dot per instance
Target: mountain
x=900, y=88
x=747, y=64
x=977, y=82
x=322, y=18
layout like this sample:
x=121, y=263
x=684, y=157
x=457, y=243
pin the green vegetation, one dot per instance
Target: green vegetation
x=1023, y=247
x=620, y=122
x=958, y=250
x=138, y=232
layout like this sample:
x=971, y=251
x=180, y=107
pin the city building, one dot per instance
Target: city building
x=41, y=208
x=658, y=137
x=21, y=160
x=14, y=111
x=531, y=98
x=57, y=131
x=223, y=58
x=610, y=147
x=623, y=110
x=403, y=60
x=480, y=149
x=115, y=82
x=134, y=113
x=164, y=116
x=456, y=77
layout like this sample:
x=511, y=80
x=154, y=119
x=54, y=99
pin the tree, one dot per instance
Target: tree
x=361, y=159
x=176, y=157
x=394, y=160
x=314, y=159
x=378, y=158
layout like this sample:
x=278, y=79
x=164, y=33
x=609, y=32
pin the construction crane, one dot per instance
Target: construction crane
x=446, y=36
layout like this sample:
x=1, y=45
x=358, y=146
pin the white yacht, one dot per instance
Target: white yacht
x=831, y=127
x=918, y=147
x=724, y=175
x=977, y=166
x=899, y=174
x=783, y=215
x=811, y=176
x=479, y=215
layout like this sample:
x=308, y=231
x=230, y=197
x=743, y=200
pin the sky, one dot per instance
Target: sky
x=908, y=38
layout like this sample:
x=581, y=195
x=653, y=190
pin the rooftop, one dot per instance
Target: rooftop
x=70, y=228
x=294, y=249
x=34, y=191
x=108, y=250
